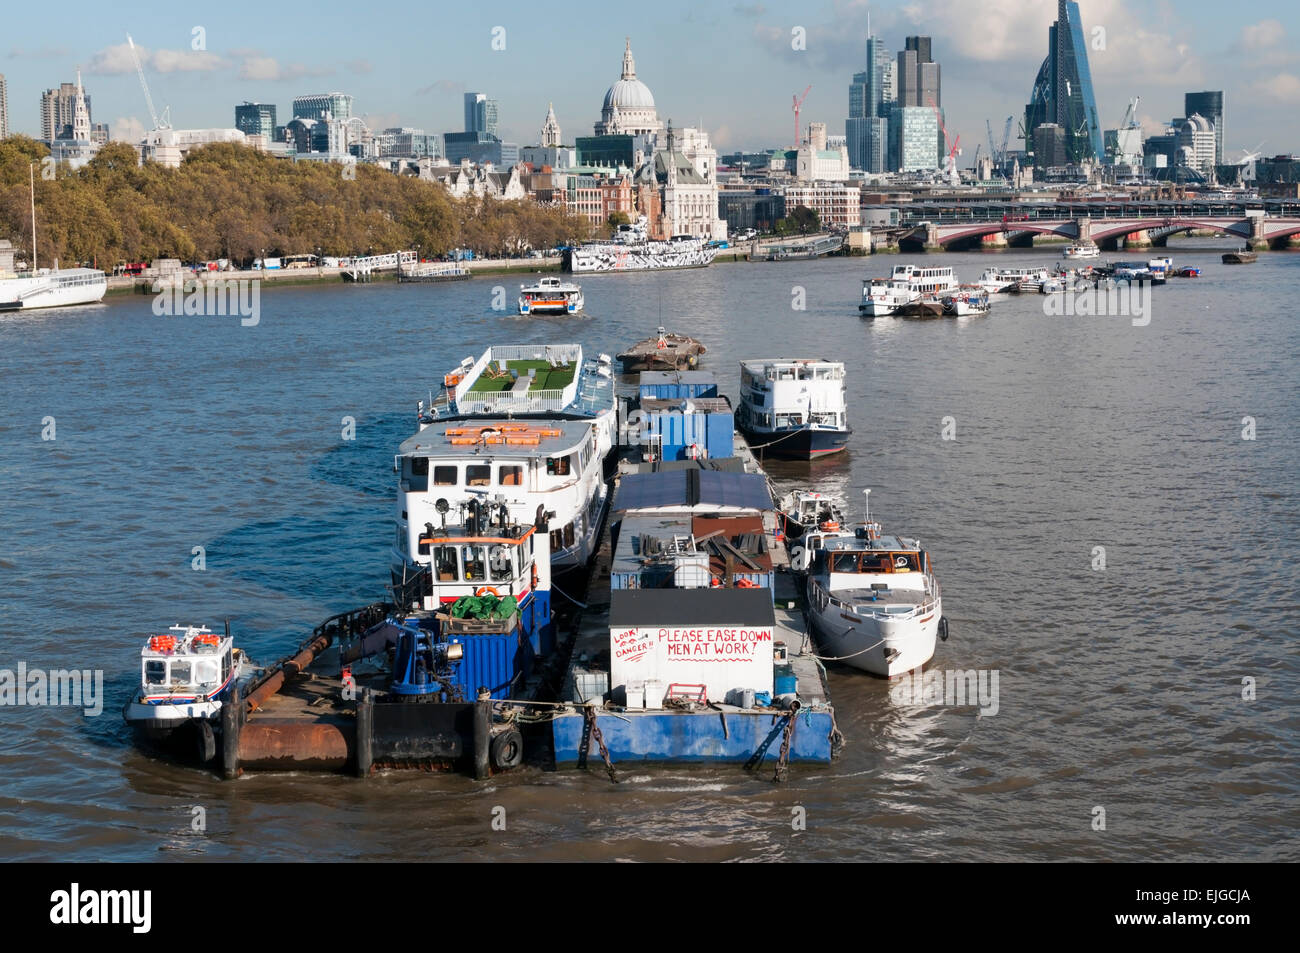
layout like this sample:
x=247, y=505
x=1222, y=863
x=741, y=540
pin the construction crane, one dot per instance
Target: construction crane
x=1001, y=156
x=158, y=123
x=798, y=102
x=950, y=163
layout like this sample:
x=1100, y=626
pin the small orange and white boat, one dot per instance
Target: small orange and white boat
x=550, y=295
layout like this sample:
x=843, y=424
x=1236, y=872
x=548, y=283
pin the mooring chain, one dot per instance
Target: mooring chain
x=783, y=762
x=593, y=731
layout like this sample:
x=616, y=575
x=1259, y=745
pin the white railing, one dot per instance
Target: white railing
x=502, y=401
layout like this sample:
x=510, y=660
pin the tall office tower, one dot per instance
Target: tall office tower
x=58, y=110
x=323, y=106
x=918, y=74
x=480, y=114
x=1062, y=93
x=256, y=119
x=1210, y=105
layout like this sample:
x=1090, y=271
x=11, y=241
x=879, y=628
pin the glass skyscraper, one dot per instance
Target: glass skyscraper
x=866, y=127
x=1062, y=93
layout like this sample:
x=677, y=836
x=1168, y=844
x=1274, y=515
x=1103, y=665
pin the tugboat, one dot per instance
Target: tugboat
x=873, y=600
x=550, y=295
x=186, y=675
x=665, y=351
x=793, y=409
x=1242, y=257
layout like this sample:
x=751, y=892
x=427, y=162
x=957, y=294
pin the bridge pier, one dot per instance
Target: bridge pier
x=932, y=242
x=1257, y=244
x=1293, y=241
x=1139, y=239
x=996, y=240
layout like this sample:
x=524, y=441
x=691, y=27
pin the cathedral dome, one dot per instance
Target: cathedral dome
x=629, y=94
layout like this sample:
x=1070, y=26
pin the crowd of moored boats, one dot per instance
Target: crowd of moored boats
x=528, y=465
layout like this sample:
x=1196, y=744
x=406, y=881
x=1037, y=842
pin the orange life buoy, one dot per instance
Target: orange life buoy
x=746, y=584
x=830, y=526
x=162, y=643
x=482, y=589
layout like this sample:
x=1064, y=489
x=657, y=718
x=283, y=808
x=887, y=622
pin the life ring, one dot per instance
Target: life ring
x=507, y=750
x=746, y=584
x=830, y=526
x=482, y=589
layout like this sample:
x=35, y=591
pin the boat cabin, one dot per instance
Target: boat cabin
x=189, y=663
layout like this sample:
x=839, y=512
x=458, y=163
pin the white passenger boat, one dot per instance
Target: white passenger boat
x=905, y=285
x=1005, y=280
x=550, y=295
x=873, y=600
x=52, y=288
x=186, y=674
x=885, y=296
x=529, y=426
x=1081, y=250
x=793, y=409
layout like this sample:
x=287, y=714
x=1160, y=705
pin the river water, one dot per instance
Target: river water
x=1160, y=689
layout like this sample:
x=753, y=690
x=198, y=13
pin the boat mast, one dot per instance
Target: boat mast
x=31, y=174
x=866, y=503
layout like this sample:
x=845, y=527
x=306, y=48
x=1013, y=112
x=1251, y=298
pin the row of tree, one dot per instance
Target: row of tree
x=230, y=201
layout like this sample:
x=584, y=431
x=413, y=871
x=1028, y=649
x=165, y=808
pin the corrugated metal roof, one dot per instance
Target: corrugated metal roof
x=691, y=488
x=693, y=607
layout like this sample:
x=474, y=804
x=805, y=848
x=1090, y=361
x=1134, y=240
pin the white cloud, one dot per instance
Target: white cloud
x=268, y=69
x=1262, y=35
x=117, y=59
x=1280, y=88
x=127, y=129
x=186, y=61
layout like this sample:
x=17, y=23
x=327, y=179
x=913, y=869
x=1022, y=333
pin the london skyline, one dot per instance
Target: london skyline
x=732, y=70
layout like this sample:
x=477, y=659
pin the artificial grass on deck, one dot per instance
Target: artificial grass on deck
x=548, y=378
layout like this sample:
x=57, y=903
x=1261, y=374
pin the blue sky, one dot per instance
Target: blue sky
x=727, y=66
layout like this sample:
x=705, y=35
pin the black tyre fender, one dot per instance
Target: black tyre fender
x=507, y=749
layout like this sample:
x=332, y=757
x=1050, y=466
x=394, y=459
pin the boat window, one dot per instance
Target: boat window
x=844, y=562
x=478, y=474
x=444, y=476
x=510, y=475
x=499, y=564
x=557, y=540
x=416, y=473
x=225, y=667
x=444, y=563
x=155, y=672
x=472, y=556
x=557, y=466
x=205, y=672
x=568, y=535
x=180, y=671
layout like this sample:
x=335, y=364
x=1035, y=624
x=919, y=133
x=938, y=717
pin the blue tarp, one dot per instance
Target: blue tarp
x=691, y=488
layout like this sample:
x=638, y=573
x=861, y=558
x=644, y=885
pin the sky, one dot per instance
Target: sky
x=730, y=68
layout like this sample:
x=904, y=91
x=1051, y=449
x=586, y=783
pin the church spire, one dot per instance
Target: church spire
x=629, y=65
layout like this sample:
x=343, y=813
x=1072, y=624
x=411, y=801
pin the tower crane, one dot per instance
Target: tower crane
x=165, y=121
x=798, y=102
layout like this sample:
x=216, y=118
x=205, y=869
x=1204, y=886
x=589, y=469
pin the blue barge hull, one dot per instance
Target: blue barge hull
x=732, y=736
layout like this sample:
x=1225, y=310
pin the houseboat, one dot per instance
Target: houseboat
x=793, y=409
